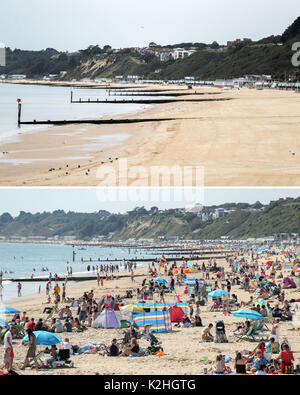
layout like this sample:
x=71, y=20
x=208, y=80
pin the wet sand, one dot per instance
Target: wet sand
x=251, y=140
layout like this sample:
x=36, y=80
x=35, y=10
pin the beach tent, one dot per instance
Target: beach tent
x=160, y=321
x=161, y=306
x=109, y=318
x=176, y=314
x=107, y=301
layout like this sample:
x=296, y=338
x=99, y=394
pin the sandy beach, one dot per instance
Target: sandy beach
x=250, y=140
x=185, y=352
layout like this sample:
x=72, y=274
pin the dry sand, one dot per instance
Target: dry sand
x=184, y=351
x=251, y=140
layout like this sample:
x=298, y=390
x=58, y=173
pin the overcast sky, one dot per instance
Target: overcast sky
x=14, y=200
x=75, y=24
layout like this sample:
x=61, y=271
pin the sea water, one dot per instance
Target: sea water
x=42, y=103
x=24, y=259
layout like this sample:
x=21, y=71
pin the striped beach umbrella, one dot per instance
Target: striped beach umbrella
x=131, y=308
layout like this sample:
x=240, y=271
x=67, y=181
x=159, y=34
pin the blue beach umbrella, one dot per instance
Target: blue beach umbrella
x=250, y=314
x=189, y=281
x=8, y=310
x=44, y=338
x=217, y=293
x=3, y=323
x=160, y=280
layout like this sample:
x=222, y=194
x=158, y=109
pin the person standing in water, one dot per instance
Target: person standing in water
x=19, y=289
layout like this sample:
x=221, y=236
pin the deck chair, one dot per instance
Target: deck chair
x=39, y=359
x=267, y=321
x=250, y=335
x=50, y=315
x=63, y=359
x=2, y=334
x=20, y=330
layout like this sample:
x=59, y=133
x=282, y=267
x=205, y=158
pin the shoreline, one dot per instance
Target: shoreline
x=138, y=272
x=253, y=139
x=184, y=352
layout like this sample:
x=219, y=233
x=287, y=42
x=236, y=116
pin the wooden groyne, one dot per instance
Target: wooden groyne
x=166, y=94
x=144, y=101
x=177, y=259
x=75, y=278
x=94, y=121
x=132, y=90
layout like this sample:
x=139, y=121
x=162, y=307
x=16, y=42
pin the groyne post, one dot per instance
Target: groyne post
x=19, y=111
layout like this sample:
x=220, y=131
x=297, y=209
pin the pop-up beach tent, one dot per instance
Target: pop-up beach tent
x=176, y=314
x=109, y=318
x=160, y=306
x=160, y=321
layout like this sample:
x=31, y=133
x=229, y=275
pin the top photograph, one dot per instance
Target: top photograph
x=125, y=94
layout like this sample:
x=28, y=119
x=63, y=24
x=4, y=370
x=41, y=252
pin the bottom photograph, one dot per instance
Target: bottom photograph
x=150, y=282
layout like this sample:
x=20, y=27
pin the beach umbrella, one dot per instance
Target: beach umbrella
x=260, y=302
x=8, y=310
x=217, y=293
x=3, y=323
x=189, y=281
x=250, y=314
x=44, y=338
x=131, y=308
x=160, y=280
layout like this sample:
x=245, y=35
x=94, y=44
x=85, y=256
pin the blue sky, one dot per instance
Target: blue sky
x=75, y=24
x=14, y=200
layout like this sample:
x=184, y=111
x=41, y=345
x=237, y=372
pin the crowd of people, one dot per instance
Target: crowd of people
x=244, y=271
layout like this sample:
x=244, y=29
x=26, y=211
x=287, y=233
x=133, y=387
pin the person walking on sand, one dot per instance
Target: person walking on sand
x=132, y=276
x=63, y=295
x=31, y=353
x=8, y=349
x=19, y=289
